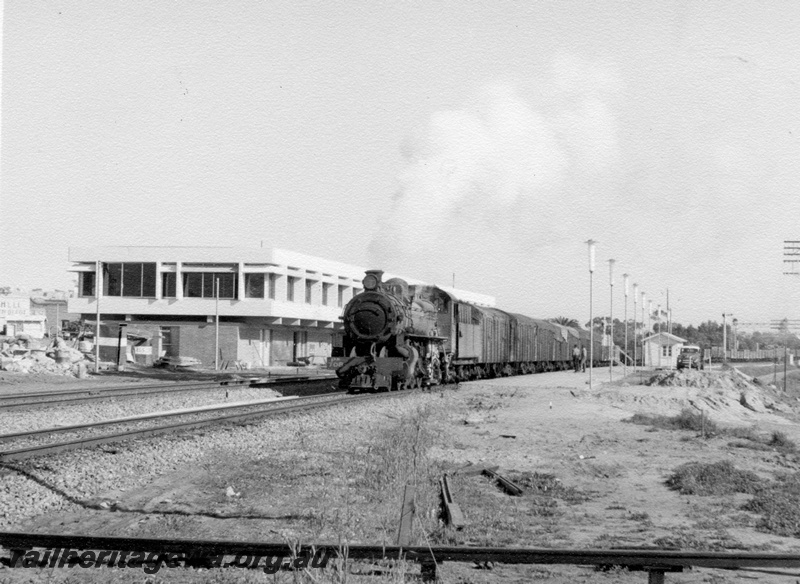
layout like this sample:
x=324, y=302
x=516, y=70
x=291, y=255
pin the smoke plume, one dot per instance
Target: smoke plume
x=489, y=179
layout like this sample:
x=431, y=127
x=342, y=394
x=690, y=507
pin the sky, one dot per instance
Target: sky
x=481, y=143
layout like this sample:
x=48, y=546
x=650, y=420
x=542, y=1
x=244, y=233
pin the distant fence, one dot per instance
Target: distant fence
x=760, y=355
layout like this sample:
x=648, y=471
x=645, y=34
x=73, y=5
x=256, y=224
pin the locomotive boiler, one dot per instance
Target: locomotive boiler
x=391, y=338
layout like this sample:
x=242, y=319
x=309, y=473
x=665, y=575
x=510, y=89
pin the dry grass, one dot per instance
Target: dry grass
x=779, y=505
x=749, y=437
x=497, y=519
x=686, y=420
x=719, y=478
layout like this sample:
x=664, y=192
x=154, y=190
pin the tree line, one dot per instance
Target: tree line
x=706, y=334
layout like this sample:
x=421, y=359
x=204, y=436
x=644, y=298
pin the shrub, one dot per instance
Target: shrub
x=719, y=478
x=779, y=505
x=686, y=420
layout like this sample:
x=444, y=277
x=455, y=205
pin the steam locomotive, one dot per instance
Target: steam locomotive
x=399, y=336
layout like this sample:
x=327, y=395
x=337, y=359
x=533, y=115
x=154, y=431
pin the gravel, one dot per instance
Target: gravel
x=84, y=474
x=14, y=421
x=129, y=426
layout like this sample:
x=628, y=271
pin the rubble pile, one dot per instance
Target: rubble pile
x=729, y=396
x=22, y=354
x=730, y=379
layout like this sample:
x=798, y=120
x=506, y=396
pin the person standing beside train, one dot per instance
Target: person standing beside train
x=576, y=358
x=583, y=359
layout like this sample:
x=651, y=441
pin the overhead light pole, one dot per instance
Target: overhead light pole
x=725, y=337
x=660, y=339
x=591, y=243
x=635, y=296
x=643, y=330
x=625, y=360
x=611, y=321
x=650, y=318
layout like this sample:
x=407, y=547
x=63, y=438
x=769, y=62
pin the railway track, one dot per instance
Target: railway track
x=74, y=396
x=654, y=562
x=22, y=445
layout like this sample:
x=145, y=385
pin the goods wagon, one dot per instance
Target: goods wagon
x=399, y=335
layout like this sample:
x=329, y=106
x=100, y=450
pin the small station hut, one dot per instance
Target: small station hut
x=661, y=350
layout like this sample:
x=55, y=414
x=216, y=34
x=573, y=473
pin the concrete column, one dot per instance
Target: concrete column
x=240, y=276
x=178, y=281
x=159, y=290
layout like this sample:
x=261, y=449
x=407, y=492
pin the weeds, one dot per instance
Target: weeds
x=779, y=505
x=781, y=442
x=686, y=420
x=697, y=422
x=719, y=478
x=682, y=539
x=548, y=485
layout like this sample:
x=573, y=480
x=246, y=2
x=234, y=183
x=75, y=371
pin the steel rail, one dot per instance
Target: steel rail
x=633, y=558
x=91, y=394
x=314, y=402
x=141, y=418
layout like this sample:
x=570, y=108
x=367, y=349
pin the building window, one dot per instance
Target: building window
x=273, y=282
x=87, y=280
x=666, y=350
x=168, y=288
x=340, y=299
x=201, y=285
x=254, y=285
x=309, y=290
x=290, y=281
x=325, y=293
x=132, y=280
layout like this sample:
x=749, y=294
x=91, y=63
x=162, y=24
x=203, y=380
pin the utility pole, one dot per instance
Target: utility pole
x=643, y=336
x=669, y=315
x=650, y=326
x=660, y=338
x=625, y=361
x=791, y=249
x=591, y=243
x=725, y=337
x=611, y=321
x=635, y=295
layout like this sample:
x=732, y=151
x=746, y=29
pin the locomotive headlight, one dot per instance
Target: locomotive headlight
x=370, y=282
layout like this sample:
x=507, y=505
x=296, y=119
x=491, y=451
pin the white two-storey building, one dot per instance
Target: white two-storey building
x=274, y=306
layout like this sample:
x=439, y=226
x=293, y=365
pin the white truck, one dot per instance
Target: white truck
x=691, y=356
